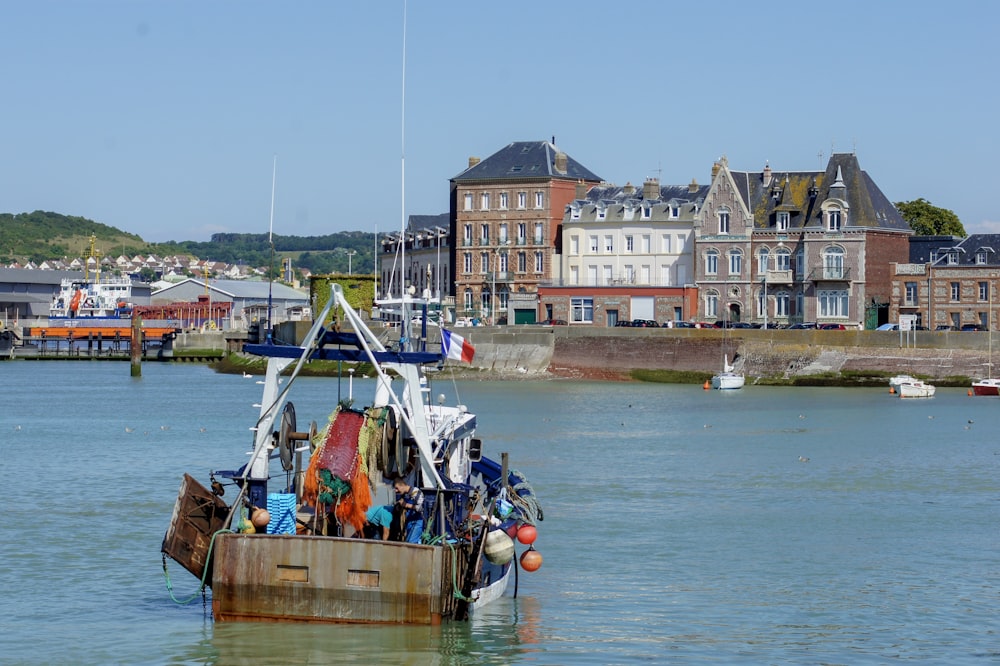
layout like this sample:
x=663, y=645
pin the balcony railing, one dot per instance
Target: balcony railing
x=500, y=276
x=780, y=277
x=830, y=273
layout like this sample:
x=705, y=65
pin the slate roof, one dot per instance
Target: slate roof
x=525, y=160
x=869, y=207
x=921, y=248
x=247, y=289
x=668, y=193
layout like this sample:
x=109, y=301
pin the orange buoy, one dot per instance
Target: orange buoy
x=706, y=385
x=531, y=560
x=970, y=391
x=891, y=390
x=260, y=518
x=527, y=534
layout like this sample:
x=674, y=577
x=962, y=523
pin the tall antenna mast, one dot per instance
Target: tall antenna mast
x=270, y=240
x=402, y=166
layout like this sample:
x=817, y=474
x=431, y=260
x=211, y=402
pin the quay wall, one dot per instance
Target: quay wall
x=593, y=352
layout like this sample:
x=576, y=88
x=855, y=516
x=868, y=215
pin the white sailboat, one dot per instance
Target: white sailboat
x=728, y=378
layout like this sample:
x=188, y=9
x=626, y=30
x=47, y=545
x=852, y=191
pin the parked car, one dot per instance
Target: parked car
x=644, y=323
x=832, y=327
x=682, y=324
x=803, y=325
x=945, y=327
x=464, y=321
x=973, y=327
x=888, y=327
x=552, y=322
x=623, y=323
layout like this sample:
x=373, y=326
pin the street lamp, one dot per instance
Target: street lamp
x=502, y=247
x=350, y=253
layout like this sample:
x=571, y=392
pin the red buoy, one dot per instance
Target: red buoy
x=531, y=560
x=527, y=534
x=512, y=530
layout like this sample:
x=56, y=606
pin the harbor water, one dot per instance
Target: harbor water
x=762, y=526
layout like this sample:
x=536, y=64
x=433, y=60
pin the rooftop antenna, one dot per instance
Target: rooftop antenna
x=270, y=240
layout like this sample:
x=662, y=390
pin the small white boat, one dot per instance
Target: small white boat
x=916, y=389
x=728, y=379
x=894, y=382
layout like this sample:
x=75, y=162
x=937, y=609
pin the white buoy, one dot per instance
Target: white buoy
x=499, y=547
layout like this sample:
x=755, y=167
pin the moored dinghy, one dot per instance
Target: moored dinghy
x=292, y=545
x=728, y=379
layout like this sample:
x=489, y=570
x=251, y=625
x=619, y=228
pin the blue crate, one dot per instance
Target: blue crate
x=282, y=507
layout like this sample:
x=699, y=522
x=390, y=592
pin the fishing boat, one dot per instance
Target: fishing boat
x=914, y=388
x=296, y=542
x=728, y=378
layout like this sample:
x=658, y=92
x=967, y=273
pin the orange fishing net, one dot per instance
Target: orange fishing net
x=340, y=457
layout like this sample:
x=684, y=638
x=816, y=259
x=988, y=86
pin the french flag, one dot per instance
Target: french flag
x=455, y=347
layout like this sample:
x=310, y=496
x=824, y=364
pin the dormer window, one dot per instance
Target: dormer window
x=647, y=212
x=776, y=192
x=602, y=212
x=675, y=212
x=981, y=257
x=833, y=221
x=574, y=212
x=782, y=220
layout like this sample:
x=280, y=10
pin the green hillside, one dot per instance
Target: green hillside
x=41, y=235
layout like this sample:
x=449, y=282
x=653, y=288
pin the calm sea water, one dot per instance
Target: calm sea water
x=681, y=525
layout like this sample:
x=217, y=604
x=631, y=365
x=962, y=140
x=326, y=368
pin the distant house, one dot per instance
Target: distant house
x=797, y=246
x=948, y=282
x=251, y=299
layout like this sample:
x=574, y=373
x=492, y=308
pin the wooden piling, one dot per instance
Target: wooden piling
x=135, y=346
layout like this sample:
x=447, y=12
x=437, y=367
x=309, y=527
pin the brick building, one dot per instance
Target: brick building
x=506, y=212
x=808, y=246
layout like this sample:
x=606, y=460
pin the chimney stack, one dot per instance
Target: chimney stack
x=473, y=161
x=693, y=186
x=561, y=162
x=651, y=189
x=581, y=190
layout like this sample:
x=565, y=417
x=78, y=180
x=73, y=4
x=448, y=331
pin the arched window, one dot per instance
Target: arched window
x=735, y=262
x=712, y=262
x=712, y=303
x=723, y=221
x=763, y=259
x=833, y=263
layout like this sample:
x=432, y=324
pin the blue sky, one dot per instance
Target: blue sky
x=164, y=118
